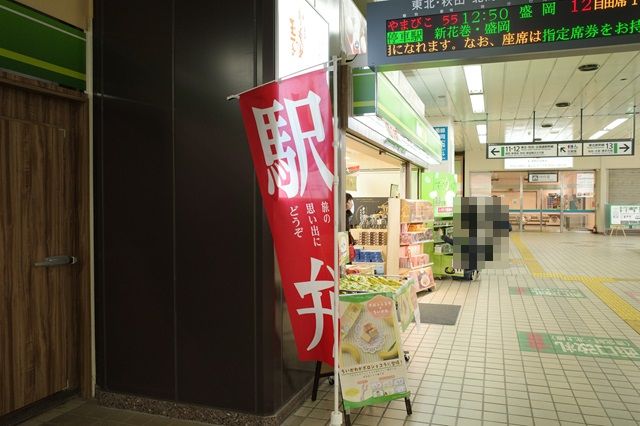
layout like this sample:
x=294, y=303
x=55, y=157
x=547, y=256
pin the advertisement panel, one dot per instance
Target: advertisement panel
x=290, y=134
x=303, y=37
x=407, y=301
x=372, y=366
x=440, y=189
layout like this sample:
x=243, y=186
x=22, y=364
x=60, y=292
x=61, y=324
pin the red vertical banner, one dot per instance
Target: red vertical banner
x=290, y=133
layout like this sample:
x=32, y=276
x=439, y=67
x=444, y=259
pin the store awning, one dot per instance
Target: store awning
x=383, y=114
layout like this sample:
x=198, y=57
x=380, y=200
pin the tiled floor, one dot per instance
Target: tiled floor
x=80, y=413
x=476, y=373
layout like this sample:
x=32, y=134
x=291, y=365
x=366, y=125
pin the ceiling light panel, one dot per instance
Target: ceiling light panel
x=598, y=134
x=477, y=103
x=615, y=123
x=473, y=75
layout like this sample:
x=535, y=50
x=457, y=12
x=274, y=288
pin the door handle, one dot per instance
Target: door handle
x=57, y=261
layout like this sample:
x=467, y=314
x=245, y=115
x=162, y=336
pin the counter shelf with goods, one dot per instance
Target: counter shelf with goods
x=410, y=231
x=441, y=251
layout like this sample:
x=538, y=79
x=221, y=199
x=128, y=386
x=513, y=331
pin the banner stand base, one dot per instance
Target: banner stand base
x=336, y=418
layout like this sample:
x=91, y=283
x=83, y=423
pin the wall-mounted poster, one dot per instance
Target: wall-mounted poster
x=303, y=37
x=354, y=29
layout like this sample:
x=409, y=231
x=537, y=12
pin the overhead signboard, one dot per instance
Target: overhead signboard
x=303, y=37
x=498, y=151
x=607, y=148
x=570, y=149
x=443, y=132
x=538, y=163
x=522, y=150
x=409, y=31
x=543, y=177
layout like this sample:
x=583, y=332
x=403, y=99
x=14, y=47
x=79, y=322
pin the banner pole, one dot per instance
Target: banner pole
x=336, y=415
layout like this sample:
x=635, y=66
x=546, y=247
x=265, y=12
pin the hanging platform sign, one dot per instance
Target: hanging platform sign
x=498, y=151
x=410, y=31
x=522, y=150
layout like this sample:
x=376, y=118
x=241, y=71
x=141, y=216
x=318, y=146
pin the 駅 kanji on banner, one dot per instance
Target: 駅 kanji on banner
x=290, y=133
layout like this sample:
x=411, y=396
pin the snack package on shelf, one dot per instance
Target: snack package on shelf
x=365, y=256
x=416, y=211
x=368, y=284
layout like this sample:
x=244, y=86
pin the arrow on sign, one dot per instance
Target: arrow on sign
x=563, y=149
x=495, y=151
x=624, y=148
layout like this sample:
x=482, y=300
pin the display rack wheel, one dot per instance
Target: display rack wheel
x=407, y=404
x=331, y=381
x=406, y=356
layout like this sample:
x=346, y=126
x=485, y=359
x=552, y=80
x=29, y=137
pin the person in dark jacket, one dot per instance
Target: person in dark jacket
x=349, y=216
x=469, y=274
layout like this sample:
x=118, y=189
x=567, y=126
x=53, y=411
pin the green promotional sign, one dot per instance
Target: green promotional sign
x=407, y=131
x=372, y=366
x=35, y=44
x=553, y=292
x=440, y=189
x=407, y=301
x=391, y=106
x=599, y=347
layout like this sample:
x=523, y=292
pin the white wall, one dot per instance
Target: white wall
x=475, y=161
x=377, y=183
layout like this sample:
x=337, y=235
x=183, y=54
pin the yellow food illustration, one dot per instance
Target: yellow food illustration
x=349, y=348
x=389, y=320
x=391, y=353
x=369, y=332
x=352, y=392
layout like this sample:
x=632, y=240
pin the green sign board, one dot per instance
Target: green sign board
x=391, y=106
x=407, y=31
x=599, y=347
x=553, y=292
x=440, y=189
x=35, y=44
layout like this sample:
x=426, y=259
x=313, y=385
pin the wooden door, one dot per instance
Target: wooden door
x=38, y=304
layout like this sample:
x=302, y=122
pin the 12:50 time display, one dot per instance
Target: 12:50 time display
x=475, y=17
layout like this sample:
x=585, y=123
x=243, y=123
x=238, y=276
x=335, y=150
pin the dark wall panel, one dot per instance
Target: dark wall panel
x=137, y=50
x=134, y=195
x=216, y=346
x=187, y=302
x=138, y=258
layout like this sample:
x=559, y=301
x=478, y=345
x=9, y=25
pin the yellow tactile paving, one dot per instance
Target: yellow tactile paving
x=596, y=284
x=529, y=260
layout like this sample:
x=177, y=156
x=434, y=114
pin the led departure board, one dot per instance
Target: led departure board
x=519, y=28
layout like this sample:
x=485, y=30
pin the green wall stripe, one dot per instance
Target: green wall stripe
x=36, y=44
x=41, y=64
x=42, y=19
x=27, y=69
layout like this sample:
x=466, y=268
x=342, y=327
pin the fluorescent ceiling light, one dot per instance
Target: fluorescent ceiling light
x=598, y=134
x=615, y=123
x=477, y=103
x=482, y=133
x=473, y=75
